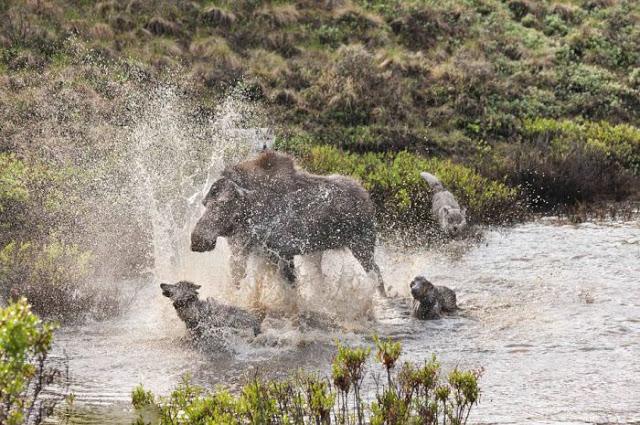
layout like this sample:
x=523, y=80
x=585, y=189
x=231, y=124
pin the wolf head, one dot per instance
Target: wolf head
x=181, y=292
x=421, y=288
x=452, y=220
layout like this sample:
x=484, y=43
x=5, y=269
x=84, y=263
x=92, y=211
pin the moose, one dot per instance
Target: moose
x=268, y=206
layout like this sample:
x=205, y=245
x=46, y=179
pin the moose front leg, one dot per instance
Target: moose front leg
x=238, y=261
x=287, y=270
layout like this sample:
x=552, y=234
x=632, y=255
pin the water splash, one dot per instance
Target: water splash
x=174, y=162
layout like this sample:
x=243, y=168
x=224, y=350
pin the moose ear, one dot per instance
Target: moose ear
x=213, y=190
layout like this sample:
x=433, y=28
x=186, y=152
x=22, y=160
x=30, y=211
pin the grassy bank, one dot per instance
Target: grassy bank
x=517, y=91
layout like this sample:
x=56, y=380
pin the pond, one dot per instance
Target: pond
x=550, y=310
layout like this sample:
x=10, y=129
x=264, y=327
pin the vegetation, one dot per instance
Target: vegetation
x=413, y=394
x=402, y=195
x=36, y=261
x=516, y=105
x=25, y=342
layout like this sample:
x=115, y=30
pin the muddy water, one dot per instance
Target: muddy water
x=551, y=312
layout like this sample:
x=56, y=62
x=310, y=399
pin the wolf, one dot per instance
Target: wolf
x=444, y=207
x=204, y=317
x=431, y=301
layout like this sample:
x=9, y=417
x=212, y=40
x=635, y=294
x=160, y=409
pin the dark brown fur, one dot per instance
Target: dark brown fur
x=266, y=205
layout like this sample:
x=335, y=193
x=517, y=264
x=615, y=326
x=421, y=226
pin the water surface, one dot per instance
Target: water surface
x=551, y=311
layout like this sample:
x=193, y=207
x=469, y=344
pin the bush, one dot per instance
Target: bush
x=616, y=143
x=35, y=261
x=52, y=276
x=13, y=190
x=401, y=195
x=595, y=93
x=25, y=342
x=414, y=394
x=565, y=162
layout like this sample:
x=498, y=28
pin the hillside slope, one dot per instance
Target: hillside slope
x=517, y=105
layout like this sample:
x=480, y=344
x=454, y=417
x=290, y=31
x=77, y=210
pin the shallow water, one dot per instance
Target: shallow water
x=551, y=311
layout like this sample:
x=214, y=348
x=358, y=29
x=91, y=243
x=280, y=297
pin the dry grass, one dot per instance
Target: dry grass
x=101, y=31
x=279, y=15
x=159, y=26
x=213, y=15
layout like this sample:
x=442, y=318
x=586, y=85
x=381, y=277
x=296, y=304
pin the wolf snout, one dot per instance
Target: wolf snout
x=166, y=289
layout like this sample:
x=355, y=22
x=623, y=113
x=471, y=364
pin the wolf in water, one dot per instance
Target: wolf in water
x=204, y=317
x=444, y=207
x=431, y=301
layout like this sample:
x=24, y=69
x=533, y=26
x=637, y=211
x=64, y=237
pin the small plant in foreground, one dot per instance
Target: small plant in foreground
x=388, y=354
x=414, y=394
x=25, y=342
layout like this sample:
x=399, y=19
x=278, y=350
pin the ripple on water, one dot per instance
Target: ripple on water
x=551, y=312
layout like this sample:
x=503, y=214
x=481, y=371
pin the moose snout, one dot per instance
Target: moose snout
x=166, y=289
x=200, y=243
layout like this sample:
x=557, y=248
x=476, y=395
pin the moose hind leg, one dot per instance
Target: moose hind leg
x=365, y=257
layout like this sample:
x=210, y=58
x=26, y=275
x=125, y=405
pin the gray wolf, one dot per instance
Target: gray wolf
x=431, y=301
x=444, y=207
x=204, y=317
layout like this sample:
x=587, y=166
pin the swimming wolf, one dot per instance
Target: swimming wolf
x=431, y=301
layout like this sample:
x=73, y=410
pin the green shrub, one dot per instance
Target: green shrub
x=25, y=342
x=617, y=143
x=401, y=195
x=387, y=353
x=415, y=394
x=35, y=262
x=595, y=93
x=562, y=162
x=13, y=189
x=38, y=205
x=140, y=398
x=52, y=276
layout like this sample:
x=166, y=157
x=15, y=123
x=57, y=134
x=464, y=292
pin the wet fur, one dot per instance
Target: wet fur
x=430, y=301
x=444, y=207
x=267, y=205
x=202, y=317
